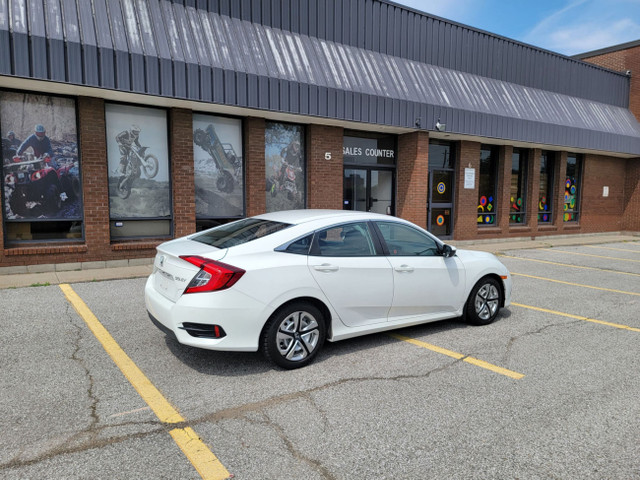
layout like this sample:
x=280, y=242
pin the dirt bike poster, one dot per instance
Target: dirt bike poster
x=138, y=162
x=218, y=166
x=40, y=163
x=284, y=167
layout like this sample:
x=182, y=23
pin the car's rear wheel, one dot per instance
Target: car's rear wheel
x=484, y=302
x=294, y=335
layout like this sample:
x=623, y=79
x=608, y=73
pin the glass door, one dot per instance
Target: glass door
x=368, y=190
x=441, y=203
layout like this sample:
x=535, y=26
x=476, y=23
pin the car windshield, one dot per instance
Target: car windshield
x=239, y=232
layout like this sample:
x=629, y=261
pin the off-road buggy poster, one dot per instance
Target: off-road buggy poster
x=40, y=164
x=138, y=157
x=217, y=156
x=285, y=169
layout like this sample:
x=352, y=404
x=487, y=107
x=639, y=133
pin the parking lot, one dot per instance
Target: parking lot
x=91, y=389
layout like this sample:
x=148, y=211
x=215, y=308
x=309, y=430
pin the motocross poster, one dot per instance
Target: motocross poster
x=40, y=163
x=138, y=162
x=285, y=167
x=218, y=166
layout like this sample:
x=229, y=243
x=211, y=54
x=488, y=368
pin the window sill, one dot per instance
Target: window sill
x=571, y=226
x=519, y=228
x=117, y=247
x=547, y=228
x=45, y=250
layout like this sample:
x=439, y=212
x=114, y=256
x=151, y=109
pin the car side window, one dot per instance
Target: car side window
x=403, y=240
x=351, y=240
x=301, y=247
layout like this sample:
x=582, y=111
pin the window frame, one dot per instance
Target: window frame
x=495, y=160
x=522, y=178
x=576, y=210
x=548, y=160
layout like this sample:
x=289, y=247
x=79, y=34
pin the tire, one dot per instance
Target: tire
x=76, y=188
x=294, y=335
x=484, y=302
x=150, y=166
x=225, y=182
x=18, y=202
x=52, y=202
x=124, y=187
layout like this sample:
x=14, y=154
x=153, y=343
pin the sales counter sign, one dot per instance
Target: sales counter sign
x=369, y=151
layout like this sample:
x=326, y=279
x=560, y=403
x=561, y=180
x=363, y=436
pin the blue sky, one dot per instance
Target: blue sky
x=564, y=26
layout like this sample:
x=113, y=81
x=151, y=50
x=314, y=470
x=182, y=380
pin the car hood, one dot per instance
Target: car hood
x=473, y=254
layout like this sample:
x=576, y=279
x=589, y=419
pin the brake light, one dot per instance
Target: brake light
x=213, y=275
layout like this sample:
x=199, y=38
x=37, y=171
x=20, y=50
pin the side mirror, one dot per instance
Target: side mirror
x=448, y=251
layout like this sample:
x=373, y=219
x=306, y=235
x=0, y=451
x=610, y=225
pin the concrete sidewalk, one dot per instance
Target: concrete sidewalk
x=98, y=271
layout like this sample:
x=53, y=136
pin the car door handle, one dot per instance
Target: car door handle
x=404, y=268
x=326, y=267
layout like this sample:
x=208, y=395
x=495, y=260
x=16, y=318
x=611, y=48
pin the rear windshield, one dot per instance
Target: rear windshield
x=239, y=232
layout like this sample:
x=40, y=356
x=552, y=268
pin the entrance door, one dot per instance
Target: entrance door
x=368, y=190
x=440, y=213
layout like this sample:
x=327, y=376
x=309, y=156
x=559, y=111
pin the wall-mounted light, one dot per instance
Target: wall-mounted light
x=440, y=126
x=418, y=122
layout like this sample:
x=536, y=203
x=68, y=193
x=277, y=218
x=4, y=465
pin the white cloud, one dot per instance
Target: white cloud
x=586, y=25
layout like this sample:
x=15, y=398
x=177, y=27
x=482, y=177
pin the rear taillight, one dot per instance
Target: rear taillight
x=212, y=276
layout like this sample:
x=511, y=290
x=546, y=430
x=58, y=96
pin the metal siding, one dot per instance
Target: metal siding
x=19, y=38
x=5, y=42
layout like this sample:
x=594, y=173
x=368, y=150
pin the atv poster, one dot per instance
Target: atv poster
x=284, y=166
x=138, y=162
x=40, y=164
x=218, y=166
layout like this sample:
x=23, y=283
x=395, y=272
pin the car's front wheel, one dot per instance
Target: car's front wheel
x=294, y=335
x=484, y=302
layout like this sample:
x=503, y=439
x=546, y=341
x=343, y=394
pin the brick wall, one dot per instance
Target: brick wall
x=621, y=61
x=465, y=226
x=324, y=176
x=413, y=177
x=602, y=214
x=254, y=166
x=183, y=191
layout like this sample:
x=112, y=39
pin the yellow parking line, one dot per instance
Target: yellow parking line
x=204, y=461
x=577, y=317
x=569, y=265
x=613, y=248
x=588, y=255
x=575, y=284
x=459, y=356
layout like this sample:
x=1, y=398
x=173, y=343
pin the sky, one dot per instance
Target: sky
x=563, y=26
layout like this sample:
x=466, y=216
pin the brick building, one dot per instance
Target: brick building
x=625, y=58
x=163, y=117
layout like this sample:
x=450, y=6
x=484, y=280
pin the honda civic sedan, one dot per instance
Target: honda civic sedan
x=285, y=282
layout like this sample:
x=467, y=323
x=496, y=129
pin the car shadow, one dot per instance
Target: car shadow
x=210, y=362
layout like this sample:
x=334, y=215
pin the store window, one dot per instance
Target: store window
x=41, y=181
x=545, y=198
x=285, y=168
x=218, y=170
x=518, y=190
x=488, y=185
x=572, y=188
x=139, y=179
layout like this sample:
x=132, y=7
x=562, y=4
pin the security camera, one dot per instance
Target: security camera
x=628, y=73
x=440, y=126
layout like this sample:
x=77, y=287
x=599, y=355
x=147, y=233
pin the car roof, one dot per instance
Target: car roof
x=297, y=217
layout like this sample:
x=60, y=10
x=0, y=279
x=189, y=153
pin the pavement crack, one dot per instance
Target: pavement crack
x=539, y=331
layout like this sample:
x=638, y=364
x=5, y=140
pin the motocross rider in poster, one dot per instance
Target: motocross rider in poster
x=40, y=144
x=126, y=140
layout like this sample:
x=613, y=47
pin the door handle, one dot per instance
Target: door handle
x=404, y=269
x=326, y=267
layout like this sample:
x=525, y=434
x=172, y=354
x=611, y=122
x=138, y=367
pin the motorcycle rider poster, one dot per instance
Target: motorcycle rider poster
x=218, y=166
x=284, y=166
x=138, y=162
x=41, y=168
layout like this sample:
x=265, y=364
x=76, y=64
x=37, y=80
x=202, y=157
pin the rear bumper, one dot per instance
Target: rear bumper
x=240, y=316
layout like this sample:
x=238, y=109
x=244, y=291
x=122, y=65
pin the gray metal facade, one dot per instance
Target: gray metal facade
x=356, y=60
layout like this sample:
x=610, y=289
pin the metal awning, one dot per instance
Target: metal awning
x=167, y=49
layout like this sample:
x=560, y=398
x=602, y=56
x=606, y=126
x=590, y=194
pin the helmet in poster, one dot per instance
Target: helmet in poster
x=135, y=129
x=40, y=131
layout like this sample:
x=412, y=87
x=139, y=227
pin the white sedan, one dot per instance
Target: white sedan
x=284, y=282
